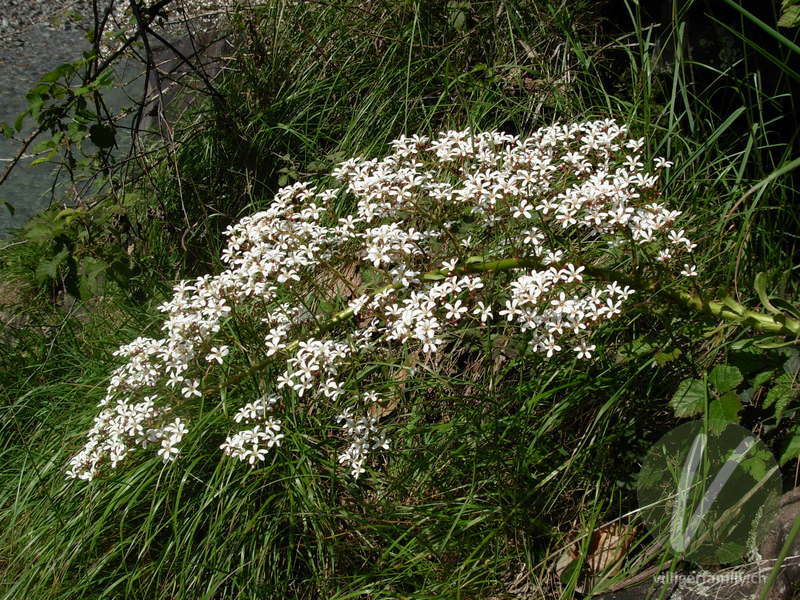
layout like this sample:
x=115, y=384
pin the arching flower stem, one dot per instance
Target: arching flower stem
x=728, y=311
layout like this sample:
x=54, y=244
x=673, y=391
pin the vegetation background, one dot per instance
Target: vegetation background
x=484, y=493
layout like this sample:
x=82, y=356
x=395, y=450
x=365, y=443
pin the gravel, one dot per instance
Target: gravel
x=20, y=18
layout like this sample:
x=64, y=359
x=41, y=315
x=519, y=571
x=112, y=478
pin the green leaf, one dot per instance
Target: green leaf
x=724, y=378
x=689, y=399
x=733, y=305
x=755, y=466
x=10, y=208
x=19, y=120
x=760, y=284
x=790, y=14
x=773, y=345
x=89, y=277
x=783, y=305
x=6, y=131
x=103, y=136
x=457, y=14
x=43, y=159
x=723, y=411
x=780, y=396
x=762, y=378
x=662, y=358
x=48, y=269
x=792, y=449
x=59, y=72
x=434, y=276
x=792, y=365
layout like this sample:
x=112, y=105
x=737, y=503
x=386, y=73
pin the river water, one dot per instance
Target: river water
x=21, y=67
x=30, y=189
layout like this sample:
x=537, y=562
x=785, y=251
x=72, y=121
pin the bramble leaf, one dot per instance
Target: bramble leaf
x=689, y=399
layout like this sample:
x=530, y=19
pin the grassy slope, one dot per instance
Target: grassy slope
x=481, y=495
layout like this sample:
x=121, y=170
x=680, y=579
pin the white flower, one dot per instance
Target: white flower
x=191, y=389
x=661, y=163
x=449, y=265
x=217, y=353
x=455, y=310
x=483, y=311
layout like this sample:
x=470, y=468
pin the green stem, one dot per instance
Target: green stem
x=728, y=311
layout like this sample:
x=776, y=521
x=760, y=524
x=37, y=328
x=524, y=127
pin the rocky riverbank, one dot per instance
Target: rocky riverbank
x=22, y=18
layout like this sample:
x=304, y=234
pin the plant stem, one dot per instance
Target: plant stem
x=731, y=311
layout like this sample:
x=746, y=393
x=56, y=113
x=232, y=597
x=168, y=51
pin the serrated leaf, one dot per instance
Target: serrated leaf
x=662, y=358
x=48, y=269
x=723, y=411
x=792, y=448
x=689, y=399
x=755, y=466
x=792, y=365
x=790, y=17
x=780, y=396
x=762, y=378
x=724, y=378
x=59, y=72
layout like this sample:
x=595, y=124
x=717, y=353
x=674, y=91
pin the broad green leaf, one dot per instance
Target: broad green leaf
x=724, y=378
x=689, y=399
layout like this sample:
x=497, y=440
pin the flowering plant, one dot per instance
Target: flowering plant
x=460, y=232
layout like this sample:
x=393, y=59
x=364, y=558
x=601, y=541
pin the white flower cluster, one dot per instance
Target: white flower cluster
x=252, y=444
x=364, y=435
x=564, y=313
x=550, y=201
